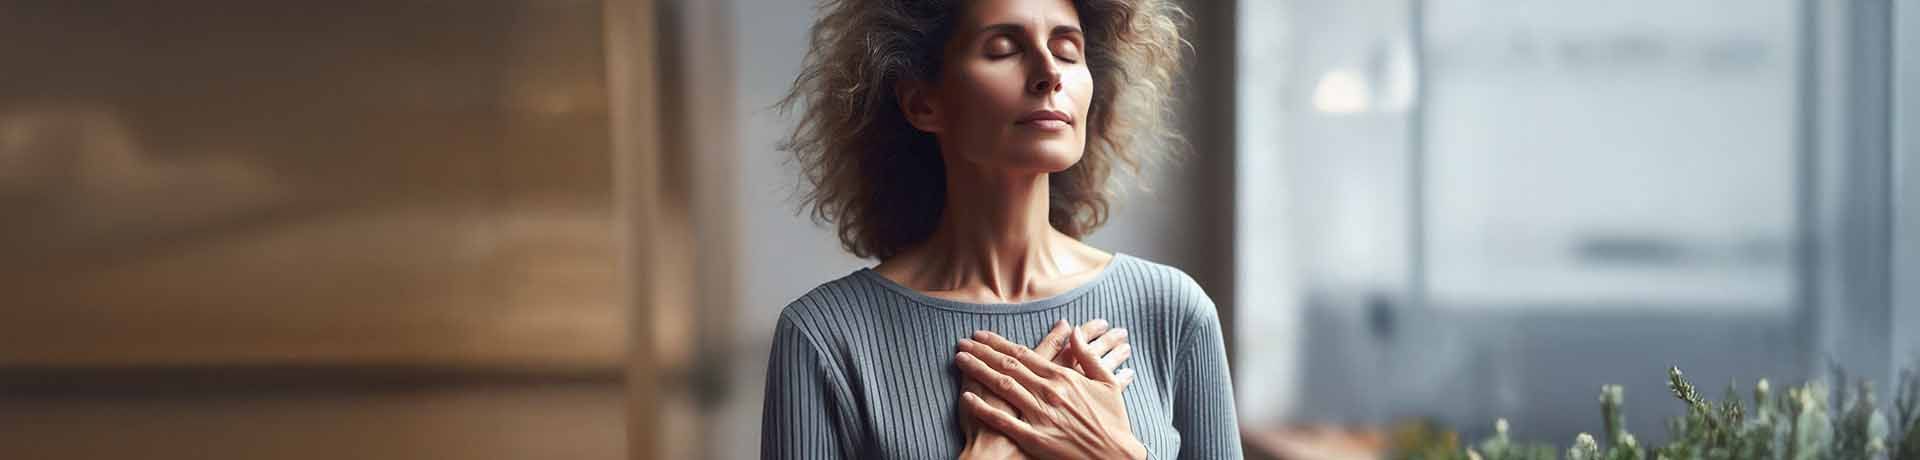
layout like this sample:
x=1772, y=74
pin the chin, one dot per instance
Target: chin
x=1047, y=157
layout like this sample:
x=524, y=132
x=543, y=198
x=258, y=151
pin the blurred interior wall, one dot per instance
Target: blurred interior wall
x=1906, y=128
x=1379, y=116
x=633, y=90
x=1849, y=119
x=338, y=230
x=698, y=174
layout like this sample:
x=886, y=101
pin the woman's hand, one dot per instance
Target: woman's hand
x=1110, y=344
x=1062, y=412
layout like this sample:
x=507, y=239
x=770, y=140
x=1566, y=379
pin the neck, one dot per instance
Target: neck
x=994, y=234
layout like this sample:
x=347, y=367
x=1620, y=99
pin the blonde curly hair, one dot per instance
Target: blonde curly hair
x=882, y=182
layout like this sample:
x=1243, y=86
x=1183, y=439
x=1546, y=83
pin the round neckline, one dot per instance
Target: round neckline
x=996, y=308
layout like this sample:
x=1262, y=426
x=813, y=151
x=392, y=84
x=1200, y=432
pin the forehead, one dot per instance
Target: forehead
x=1035, y=14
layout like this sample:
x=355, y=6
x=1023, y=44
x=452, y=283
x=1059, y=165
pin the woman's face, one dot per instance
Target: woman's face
x=1014, y=87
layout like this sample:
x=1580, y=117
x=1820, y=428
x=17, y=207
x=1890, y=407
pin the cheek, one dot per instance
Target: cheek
x=1079, y=87
x=989, y=92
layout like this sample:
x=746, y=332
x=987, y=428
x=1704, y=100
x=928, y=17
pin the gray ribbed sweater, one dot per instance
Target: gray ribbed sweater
x=862, y=367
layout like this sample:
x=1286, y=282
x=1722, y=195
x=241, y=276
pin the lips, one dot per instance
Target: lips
x=1045, y=118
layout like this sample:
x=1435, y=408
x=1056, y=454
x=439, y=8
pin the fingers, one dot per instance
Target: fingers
x=1095, y=328
x=1002, y=421
x=1033, y=363
x=1106, y=343
x=1000, y=384
x=1056, y=339
x=1111, y=361
x=1124, y=378
x=1088, y=362
x=969, y=384
x=1110, y=348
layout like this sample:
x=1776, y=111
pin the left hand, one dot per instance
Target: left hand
x=1063, y=413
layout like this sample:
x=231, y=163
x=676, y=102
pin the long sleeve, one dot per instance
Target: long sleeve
x=798, y=416
x=1203, y=391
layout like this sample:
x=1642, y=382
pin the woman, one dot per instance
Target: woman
x=967, y=145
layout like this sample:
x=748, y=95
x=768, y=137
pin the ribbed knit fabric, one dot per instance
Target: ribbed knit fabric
x=862, y=367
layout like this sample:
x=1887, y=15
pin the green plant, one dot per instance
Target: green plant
x=1906, y=407
x=1798, y=424
x=1502, y=447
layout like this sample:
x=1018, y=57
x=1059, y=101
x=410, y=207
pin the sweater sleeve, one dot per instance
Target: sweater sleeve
x=1203, y=391
x=798, y=415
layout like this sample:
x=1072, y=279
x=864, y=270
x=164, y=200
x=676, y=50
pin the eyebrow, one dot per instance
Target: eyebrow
x=1063, y=29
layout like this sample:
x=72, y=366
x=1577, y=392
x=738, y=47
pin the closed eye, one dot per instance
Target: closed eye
x=1001, y=46
x=1067, y=50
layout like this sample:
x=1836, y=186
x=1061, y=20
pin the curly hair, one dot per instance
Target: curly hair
x=882, y=182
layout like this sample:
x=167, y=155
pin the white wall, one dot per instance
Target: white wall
x=1906, y=230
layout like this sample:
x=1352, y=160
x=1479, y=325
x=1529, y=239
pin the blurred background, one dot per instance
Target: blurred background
x=560, y=228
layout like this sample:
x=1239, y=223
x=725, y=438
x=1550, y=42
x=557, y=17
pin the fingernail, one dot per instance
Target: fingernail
x=1120, y=332
x=1061, y=323
x=981, y=335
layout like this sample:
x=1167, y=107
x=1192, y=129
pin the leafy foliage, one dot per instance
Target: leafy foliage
x=1799, y=424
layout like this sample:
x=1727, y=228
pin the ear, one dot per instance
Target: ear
x=918, y=105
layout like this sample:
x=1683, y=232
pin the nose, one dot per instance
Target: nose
x=1046, y=82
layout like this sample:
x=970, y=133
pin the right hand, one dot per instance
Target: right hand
x=1109, y=344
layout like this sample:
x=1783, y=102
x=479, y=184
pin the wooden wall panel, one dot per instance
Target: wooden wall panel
x=633, y=89
x=230, y=183
x=525, y=420
x=306, y=230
